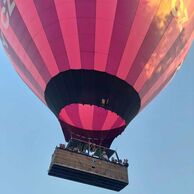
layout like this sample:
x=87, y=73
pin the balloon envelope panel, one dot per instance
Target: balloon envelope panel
x=96, y=63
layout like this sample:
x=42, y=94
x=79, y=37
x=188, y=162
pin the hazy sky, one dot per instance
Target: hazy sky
x=159, y=142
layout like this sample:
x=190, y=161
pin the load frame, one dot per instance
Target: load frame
x=90, y=164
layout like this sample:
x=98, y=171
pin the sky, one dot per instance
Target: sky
x=159, y=142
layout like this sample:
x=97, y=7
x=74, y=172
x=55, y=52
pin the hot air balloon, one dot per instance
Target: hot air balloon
x=96, y=63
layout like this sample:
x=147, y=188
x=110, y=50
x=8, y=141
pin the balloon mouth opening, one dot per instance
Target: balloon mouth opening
x=90, y=117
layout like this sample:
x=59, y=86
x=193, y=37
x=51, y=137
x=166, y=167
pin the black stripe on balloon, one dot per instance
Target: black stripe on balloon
x=86, y=24
x=13, y=55
x=24, y=37
x=172, y=53
x=124, y=18
x=151, y=40
x=159, y=89
x=95, y=88
x=48, y=16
